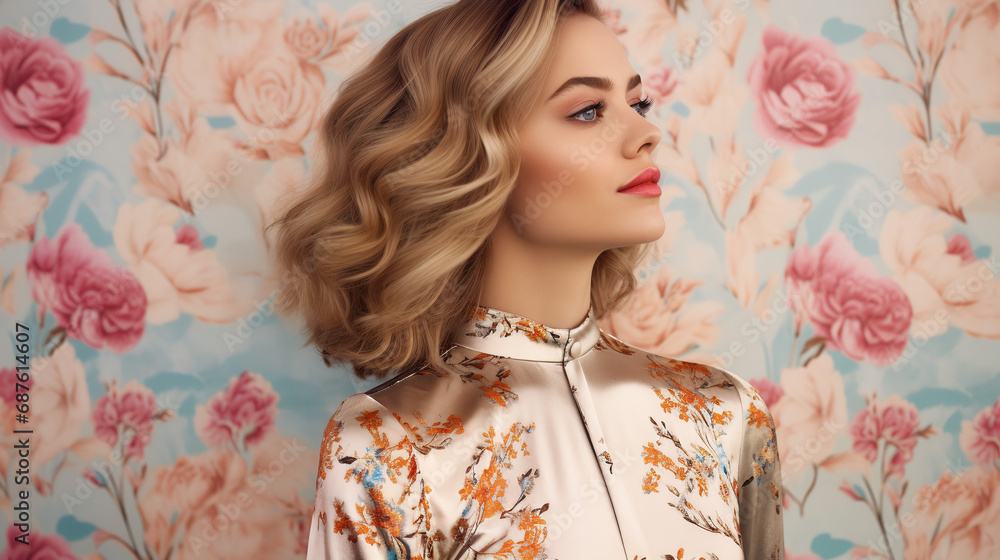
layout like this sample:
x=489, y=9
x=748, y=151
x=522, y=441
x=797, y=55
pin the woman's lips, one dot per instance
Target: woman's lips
x=644, y=184
x=643, y=189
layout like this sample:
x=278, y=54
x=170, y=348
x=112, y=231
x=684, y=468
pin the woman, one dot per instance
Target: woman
x=468, y=225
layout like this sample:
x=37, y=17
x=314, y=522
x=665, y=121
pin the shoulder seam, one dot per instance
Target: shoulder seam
x=742, y=423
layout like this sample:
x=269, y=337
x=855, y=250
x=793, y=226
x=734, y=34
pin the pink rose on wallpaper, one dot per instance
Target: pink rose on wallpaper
x=768, y=390
x=128, y=412
x=860, y=313
x=41, y=547
x=242, y=414
x=44, y=99
x=803, y=91
x=99, y=303
x=894, y=421
x=980, y=438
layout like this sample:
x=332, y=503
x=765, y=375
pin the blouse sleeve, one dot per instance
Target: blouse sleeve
x=369, y=490
x=760, y=492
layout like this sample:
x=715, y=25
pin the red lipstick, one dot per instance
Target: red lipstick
x=644, y=184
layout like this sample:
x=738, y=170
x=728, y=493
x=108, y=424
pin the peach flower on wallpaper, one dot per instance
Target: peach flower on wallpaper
x=941, y=276
x=283, y=176
x=810, y=413
x=19, y=210
x=980, y=438
x=955, y=169
x=804, y=93
x=8, y=400
x=305, y=38
x=95, y=301
x=713, y=94
x=240, y=415
x=956, y=517
x=771, y=221
x=971, y=67
x=858, y=312
x=195, y=488
x=725, y=173
x=45, y=97
x=660, y=317
x=60, y=403
x=183, y=171
x=8, y=421
x=273, y=97
x=178, y=274
x=644, y=35
x=199, y=489
x=326, y=40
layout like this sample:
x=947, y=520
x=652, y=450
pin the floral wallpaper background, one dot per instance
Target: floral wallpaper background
x=832, y=188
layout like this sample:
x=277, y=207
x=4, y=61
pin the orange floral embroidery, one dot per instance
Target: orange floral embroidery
x=756, y=416
x=488, y=490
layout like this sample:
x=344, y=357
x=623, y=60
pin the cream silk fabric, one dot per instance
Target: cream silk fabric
x=540, y=442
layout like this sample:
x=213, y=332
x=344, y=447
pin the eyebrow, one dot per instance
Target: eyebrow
x=599, y=82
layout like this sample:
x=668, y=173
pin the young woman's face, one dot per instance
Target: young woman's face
x=576, y=157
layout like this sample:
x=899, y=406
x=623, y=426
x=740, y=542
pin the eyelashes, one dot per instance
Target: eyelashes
x=643, y=106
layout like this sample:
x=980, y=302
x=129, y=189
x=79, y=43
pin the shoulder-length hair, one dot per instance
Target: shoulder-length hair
x=383, y=251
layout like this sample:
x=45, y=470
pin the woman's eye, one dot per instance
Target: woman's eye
x=642, y=107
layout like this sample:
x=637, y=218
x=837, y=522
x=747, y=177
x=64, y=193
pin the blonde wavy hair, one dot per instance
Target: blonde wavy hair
x=382, y=251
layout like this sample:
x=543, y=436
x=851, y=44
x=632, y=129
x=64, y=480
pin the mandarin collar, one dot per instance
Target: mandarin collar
x=509, y=335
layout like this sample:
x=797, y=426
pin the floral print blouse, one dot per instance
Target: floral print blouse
x=540, y=442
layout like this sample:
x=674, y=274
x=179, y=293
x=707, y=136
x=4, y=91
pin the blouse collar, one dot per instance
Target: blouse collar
x=509, y=335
